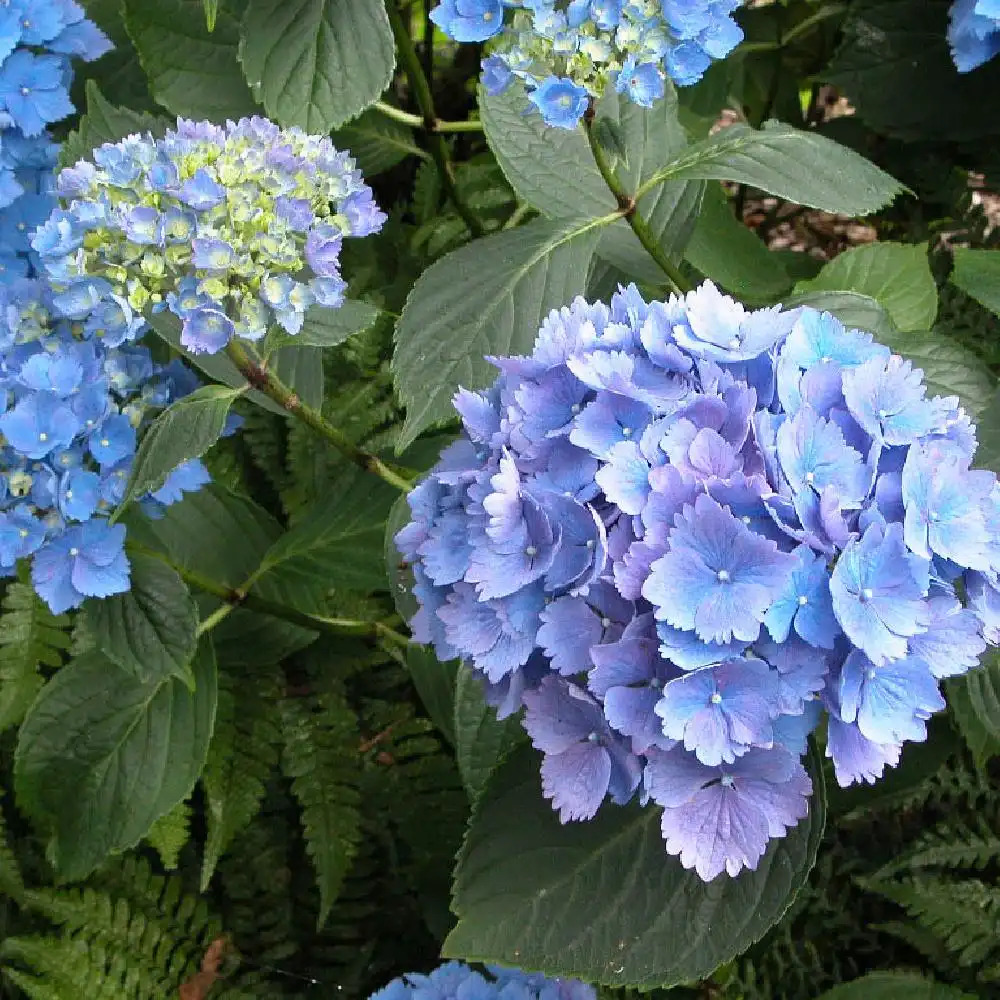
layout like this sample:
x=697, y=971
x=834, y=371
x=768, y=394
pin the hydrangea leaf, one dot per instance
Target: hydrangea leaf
x=488, y=297
x=184, y=430
x=974, y=699
x=192, y=72
x=103, y=754
x=436, y=684
x=895, y=64
x=731, y=254
x=377, y=143
x=802, y=167
x=894, y=986
x=481, y=739
x=329, y=327
x=897, y=275
x=602, y=900
x=151, y=629
x=317, y=63
x=399, y=573
x=977, y=273
x=301, y=366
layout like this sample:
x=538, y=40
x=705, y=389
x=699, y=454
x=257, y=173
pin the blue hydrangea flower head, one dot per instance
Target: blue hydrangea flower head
x=568, y=54
x=974, y=33
x=456, y=981
x=234, y=229
x=676, y=532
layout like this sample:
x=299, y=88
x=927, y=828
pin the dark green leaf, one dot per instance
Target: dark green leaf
x=481, y=739
x=435, y=683
x=803, y=167
x=894, y=986
x=974, y=700
x=400, y=575
x=317, y=63
x=301, y=367
x=192, y=72
x=602, y=900
x=184, y=430
x=376, y=142
x=731, y=254
x=102, y=754
x=988, y=432
x=897, y=275
x=151, y=629
x=488, y=297
x=102, y=123
x=977, y=273
x=329, y=327
x=895, y=65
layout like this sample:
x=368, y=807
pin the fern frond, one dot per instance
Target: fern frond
x=170, y=833
x=965, y=915
x=321, y=757
x=30, y=637
x=263, y=433
x=955, y=844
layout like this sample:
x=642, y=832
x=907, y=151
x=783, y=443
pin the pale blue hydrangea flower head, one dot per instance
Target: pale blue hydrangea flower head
x=678, y=531
x=234, y=229
x=569, y=52
x=974, y=32
x=456, y=981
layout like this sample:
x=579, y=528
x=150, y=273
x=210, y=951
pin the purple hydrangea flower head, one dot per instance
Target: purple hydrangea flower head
x=677, y=532
x=568, y=55
x=456, y=981
x=212, y=256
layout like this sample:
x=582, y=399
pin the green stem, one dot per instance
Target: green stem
x=425, y=101
x=518, y=216
x=629, y=211
x=265, y=381
x=415, y=121
x=235, y=597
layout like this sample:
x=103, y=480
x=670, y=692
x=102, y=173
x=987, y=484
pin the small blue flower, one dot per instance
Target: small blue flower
x=322, y=250
x=469, y=20
x=112, y=441
x=39, y=424
x=497, y=76
x=805, y=604
x=33, y=90
x=642, y=82
x=560, y=101
x=202, y=191
x=206, y=331
x=87, y=560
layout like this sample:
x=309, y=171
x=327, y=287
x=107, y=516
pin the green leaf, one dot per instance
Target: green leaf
x=211, y=13
x=894, y=986
x=977, y=273
x=301, y=367
x=321, y=758
x=339, y=543
x=488, y=297
x=243, y=753
x=102, y=754
x=988, y=432
x=732, y=254
x=184, y=430
x=803, y=167
x=151, y=629
x=30, y=637
x=974, y=700
x=435, y=683
x=602, y=900
x=191, y=72
x=895, y=64
x=854, y=310
x=554, y=170
x=329, y=327
x=897, y=275
x=170, y=834
x=376, y=142
x=481, y=739
x=317, y=63
x=103, y=122
x=399, y=573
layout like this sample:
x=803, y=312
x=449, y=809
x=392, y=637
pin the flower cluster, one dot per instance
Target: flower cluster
x=73, y=404
x=974, y=32
x=233, y=229
x=679, y=530
x=568, y=52
x=456, y=981
x=38, y=38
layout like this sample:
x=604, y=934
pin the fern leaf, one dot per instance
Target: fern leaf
x=30, y=637
x=11, y=880
x=170, y=833
x=320, y=756
x=951, y=845
x=965, y=915
x=242, y=755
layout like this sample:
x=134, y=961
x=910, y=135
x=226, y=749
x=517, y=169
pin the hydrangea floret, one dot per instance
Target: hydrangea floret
x=74, y=403
x=679, y=531
x=234, y=229
x=568, y=52
x=456, y=981
x=974, y=32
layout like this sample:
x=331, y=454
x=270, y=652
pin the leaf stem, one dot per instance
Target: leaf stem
x=265, y=381
x=415, y=121
x=629, y=211
x=425, y=101
x=237, y=597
